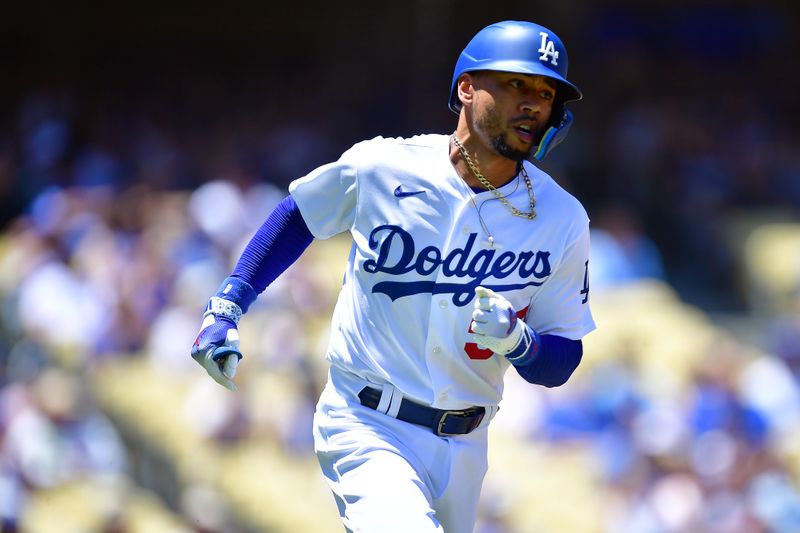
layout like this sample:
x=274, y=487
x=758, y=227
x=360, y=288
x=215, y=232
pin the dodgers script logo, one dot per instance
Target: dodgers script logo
x=473, y=268
x=547, y=49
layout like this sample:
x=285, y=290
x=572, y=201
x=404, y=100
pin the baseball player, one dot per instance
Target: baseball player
x=466, y=260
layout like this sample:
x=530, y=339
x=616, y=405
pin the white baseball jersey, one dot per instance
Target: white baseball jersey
x=420, y=247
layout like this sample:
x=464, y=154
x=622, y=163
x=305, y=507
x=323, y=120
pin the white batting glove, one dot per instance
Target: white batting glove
x=496, y=326
x=217, y=349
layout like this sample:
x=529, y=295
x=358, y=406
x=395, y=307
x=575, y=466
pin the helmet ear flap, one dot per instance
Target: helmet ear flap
x=554, y=134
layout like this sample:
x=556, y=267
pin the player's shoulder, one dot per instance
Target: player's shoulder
x=555, y=197
x=380, y=146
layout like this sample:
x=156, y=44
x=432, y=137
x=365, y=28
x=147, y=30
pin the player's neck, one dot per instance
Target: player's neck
x=496, y=169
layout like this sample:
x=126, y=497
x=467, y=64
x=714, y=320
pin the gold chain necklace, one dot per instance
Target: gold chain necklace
x=497, y=194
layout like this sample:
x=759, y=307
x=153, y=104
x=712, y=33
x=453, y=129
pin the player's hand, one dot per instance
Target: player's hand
x=495, y=323
x=217, y=349
x=217, y=345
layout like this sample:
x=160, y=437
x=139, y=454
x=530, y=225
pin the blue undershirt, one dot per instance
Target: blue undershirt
x=284, y=236
x=277, y=244
x=557, y=359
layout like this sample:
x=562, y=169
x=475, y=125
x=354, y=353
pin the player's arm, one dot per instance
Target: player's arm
x=562, y=306
x=276, y=245
x=547, y=360
x=552, y=363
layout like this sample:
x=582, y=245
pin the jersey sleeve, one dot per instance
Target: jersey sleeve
x=327, y=197
x=562, y=308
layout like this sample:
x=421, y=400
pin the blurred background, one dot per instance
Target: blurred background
x=142, y=144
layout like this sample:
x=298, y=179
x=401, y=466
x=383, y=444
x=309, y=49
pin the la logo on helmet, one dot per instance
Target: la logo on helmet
x=548, y=49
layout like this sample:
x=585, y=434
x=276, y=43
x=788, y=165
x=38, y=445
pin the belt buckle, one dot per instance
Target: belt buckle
x=440, y=425
x=472, y=426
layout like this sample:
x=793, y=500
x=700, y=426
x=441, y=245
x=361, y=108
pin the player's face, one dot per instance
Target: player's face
x=512, y=110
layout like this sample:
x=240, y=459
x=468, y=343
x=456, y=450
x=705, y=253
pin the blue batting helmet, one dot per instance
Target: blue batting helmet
x=525, y=48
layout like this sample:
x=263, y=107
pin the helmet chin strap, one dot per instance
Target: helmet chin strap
x=553, y=136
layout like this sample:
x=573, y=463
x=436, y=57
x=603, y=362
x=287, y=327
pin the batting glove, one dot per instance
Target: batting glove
x=496, y=327
x=216, y=347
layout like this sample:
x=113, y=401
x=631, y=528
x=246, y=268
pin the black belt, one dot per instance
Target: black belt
x=442, y=423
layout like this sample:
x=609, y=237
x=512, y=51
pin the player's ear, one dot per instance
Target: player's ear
x=465, y=88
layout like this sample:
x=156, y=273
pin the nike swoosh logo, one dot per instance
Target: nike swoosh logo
x=400, y=193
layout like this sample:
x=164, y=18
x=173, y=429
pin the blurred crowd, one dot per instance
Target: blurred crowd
x=706, y=445
x=120, y=217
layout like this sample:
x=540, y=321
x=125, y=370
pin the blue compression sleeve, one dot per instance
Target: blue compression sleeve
x=278, y=243
x=555, y=361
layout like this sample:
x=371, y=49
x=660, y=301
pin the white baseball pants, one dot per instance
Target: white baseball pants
x=391, y=476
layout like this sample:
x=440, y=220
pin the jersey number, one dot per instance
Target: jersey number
x=585, y=290
x=471, y=348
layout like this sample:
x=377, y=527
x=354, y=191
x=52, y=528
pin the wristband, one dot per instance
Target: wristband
x=238, y=292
